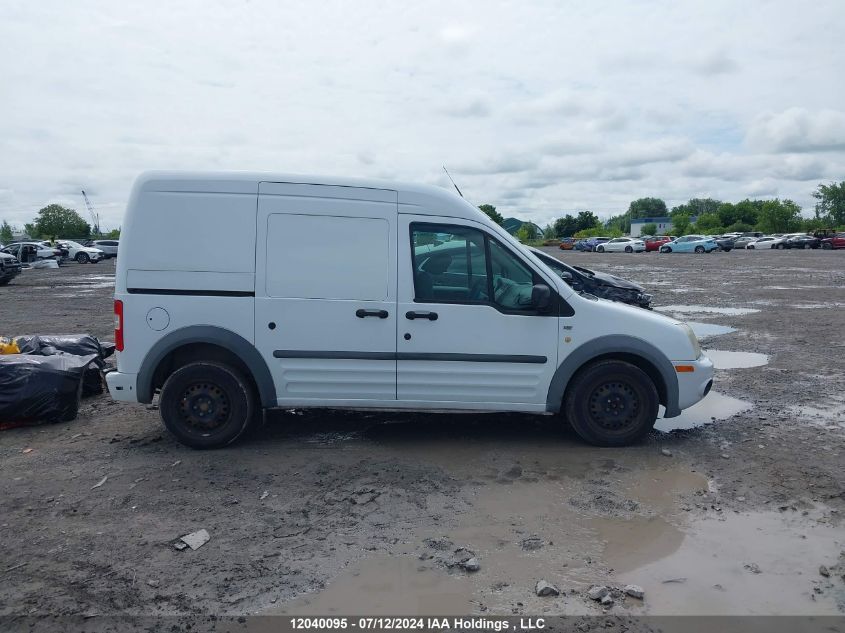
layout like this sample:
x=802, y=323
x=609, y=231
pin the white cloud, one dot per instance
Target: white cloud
x=540, y=108
x=798, y=130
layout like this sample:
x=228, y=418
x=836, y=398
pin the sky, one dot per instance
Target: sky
x=540, y=108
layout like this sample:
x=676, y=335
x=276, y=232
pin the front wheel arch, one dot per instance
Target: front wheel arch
x=624, y=348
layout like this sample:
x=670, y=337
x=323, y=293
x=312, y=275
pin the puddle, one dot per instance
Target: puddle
x=387, y=585
x=715, y=406
x=819, y=306
x=108, y=284
x=692, y=309
x=703, y=330
x=832, y=415
x=736, y=360
x=712, y=557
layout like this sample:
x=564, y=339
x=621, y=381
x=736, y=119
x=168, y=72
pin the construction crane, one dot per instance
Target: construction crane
x=95, y=218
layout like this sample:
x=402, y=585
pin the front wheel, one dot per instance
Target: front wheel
x=827, y=246
x=82, y=258
x=628, y=249
x=207, y=404
x=665, y=249
x=781, y=246
x=750, y=247
x=699, y=249
x=600, y=249
x=611, y=403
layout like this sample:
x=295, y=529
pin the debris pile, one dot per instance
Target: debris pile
x=43, y=377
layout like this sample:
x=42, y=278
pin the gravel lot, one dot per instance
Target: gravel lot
x=329, y=511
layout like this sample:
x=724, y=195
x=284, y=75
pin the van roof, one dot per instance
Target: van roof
x=247, y=182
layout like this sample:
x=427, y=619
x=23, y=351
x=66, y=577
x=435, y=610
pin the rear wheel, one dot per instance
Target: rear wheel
x=699, y=249
x=82, y=258
x=611, y=403
x=207, y=404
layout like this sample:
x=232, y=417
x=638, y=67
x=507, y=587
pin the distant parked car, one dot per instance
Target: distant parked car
x=82, y=254
x=109, y=247
x=803, y=241
x=726, y=242
x=655, y=242
x=622, y=245
x=766, y=242
x=10, y=268
x=824, y=233
x=690, y=244
x=28, y=252
x=743, y=242
x=752, y=234
x=567, y=243
x=835, y=241
x=589, y=244
x=598, y=284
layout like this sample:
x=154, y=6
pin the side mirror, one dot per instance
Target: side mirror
x=541, y=296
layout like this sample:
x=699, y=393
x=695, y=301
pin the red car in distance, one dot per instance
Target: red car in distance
x=835, y=241
x=654, y=243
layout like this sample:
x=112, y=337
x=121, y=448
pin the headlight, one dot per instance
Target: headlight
x=693, y=339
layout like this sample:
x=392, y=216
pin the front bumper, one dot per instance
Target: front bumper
x=122, y=387
x=695, y=378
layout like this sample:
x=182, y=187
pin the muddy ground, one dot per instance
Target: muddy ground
x=362, y=513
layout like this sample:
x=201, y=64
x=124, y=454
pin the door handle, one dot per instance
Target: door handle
x=431, y=316
x=382, y=314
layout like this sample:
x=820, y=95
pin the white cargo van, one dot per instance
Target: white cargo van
x=365, y=294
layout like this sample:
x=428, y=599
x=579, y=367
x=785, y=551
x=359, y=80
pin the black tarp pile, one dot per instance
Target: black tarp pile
x=45, y=377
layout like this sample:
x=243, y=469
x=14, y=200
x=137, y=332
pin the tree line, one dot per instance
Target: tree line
x=712, y=217
x=56, y=221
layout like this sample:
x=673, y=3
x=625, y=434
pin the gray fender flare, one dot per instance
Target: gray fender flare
x=614, y=344
x=226, y=339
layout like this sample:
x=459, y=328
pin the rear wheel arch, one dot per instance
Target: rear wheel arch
x=204, y=343
x=628, y=349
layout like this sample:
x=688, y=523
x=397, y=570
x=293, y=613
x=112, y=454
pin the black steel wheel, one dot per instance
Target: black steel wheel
x=611, y=403
x=207, y=404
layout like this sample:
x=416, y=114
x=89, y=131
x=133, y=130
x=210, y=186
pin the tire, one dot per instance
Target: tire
x=628, y=249
x=665, y=249
x=699, y=249
x=781, y=246
x=82, y=258
x=827, y=247
x=595, y=391
x=750, y=247
x=228, y=394
x=5, y=282
x=804, y=246
x=600, y=249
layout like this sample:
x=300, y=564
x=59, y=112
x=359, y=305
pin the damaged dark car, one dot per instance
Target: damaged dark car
x=10, y=268
x=595, y=283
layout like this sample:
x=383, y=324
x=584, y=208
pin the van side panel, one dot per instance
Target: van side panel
x=325, y=312
x=187, y=258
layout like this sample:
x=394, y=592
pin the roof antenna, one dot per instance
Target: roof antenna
x=452, y=181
